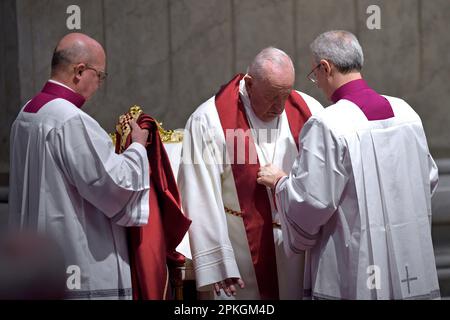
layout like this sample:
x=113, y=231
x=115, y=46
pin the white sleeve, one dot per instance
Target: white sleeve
x=118, y=185
x=311, y=194
x=199, y=180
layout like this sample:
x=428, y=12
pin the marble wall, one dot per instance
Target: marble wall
x=170, y=55
x=9, y=79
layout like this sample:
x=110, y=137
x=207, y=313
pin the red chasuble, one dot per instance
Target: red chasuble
x=253, y=200
x=152, y=247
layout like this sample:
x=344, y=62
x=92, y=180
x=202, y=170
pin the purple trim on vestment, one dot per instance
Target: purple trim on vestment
x=373, y=105
x=52, y=91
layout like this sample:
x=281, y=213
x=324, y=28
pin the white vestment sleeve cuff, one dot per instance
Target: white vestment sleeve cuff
x=280, y=183
x=213, y=273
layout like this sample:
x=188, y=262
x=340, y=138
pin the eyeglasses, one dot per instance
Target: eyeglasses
x=312, y=76
x=100, y=74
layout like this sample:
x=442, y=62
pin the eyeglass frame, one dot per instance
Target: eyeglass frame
x=309, y=76
x=100, y=74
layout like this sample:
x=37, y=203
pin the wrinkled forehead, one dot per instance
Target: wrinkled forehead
x=281, y=77
x=278, y=86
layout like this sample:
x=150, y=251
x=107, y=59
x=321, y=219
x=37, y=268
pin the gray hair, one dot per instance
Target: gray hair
x=277, y=57
x=76, y=53
x=341, y=48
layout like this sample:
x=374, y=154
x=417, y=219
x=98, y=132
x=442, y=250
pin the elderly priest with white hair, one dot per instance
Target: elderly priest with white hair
x=236, y=241
x=359, y=194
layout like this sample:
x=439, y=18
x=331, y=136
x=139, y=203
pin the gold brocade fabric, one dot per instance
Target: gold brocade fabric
x=123, y=128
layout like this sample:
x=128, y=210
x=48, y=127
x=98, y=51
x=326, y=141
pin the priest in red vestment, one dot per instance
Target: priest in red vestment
x=236, y=237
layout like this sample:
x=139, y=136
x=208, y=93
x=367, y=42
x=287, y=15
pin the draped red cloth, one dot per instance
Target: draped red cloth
x=152, y=247
x=253, y=199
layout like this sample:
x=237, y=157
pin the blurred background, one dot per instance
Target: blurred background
x=168, y=56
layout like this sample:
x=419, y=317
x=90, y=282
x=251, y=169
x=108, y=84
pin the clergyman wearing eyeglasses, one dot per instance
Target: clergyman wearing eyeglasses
x=66, y=180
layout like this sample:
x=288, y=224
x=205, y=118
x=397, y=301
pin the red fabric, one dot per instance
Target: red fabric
x=253, y=200
x=152, y=247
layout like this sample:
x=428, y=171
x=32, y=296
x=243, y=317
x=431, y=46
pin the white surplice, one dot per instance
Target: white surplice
x=359, y=197
x=218, y=240
x=66, y=181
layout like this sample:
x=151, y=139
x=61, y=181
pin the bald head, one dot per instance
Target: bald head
x=268, y=82
x=79, y=62
x=273, y=65
x=75, y=48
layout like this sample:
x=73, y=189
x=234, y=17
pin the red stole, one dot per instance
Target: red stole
x=152, y=247
x=253, y=200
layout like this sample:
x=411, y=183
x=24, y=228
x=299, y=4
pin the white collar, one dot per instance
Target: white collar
x=61, y=84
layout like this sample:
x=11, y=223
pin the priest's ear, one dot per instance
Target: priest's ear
x=78, y=70
x=248, y=82
x=326, y=67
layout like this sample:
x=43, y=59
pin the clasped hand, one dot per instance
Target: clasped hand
x=269, y=175
x=137, y=134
